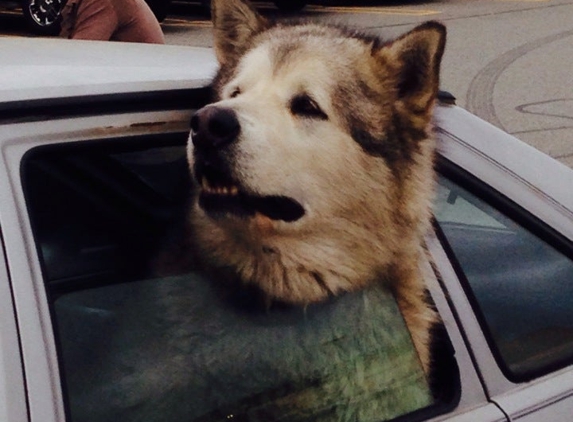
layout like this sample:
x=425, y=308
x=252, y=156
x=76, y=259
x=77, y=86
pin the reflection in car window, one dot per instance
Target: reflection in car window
x=522, y=286
x=135, y=345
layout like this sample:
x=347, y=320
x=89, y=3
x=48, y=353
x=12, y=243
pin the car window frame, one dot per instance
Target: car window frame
x=93, y=105
x=143, y=141
x=13, y=398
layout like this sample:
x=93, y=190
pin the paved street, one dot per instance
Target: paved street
x=508, y=61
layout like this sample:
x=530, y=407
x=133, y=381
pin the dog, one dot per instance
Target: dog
x=314, y=165
x=313, y=179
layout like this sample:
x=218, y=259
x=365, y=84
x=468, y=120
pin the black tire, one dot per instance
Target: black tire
x=43, y=16
x=290, y=5
x=160, y=8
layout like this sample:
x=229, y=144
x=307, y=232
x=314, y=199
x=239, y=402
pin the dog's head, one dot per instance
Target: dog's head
x=316, y=145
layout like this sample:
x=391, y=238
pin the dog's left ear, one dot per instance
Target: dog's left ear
x=234, y=23
x=418, y=55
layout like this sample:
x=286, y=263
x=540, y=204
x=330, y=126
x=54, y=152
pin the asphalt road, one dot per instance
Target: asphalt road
x=507, y=61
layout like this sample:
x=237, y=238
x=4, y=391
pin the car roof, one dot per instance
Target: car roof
x=33, y=68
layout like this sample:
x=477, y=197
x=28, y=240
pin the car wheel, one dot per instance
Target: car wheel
x=290, y=5
x=43, y=16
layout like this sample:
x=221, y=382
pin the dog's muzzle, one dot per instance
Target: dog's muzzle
x=214, y=130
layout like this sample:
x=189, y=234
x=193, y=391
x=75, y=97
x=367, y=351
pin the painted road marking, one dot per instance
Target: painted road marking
x=187, y=23
x=373, y=10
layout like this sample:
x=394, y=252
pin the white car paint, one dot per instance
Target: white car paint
x=509, y=165
x=58, y=68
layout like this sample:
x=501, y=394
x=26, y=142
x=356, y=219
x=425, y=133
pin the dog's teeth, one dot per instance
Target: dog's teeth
x=218, y=190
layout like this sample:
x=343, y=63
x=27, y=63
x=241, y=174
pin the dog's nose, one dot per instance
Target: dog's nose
x=214, y=127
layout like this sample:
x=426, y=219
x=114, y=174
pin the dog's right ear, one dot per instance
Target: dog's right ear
x=235, y=22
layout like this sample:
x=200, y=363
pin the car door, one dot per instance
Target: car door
x=505, y=222
x=85, y=189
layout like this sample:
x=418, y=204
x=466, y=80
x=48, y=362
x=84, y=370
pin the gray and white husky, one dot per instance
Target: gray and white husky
x=314, y=165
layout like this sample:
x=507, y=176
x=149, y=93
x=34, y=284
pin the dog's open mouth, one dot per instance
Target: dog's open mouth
x=220, y=196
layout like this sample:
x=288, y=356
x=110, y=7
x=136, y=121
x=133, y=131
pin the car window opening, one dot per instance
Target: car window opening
x=99, y=213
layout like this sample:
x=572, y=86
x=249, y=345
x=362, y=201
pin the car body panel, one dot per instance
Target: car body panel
x=509, y=166
x=56, y=68
x=547, y=399
x=30, y=302
x=486, y=413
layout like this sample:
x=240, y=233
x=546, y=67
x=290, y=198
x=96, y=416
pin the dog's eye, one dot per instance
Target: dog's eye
x=303, y=105
x=235, y=92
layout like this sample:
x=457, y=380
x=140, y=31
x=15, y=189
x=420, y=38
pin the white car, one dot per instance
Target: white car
x=92, y=147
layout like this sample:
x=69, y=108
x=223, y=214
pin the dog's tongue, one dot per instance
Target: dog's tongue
x=278, y=208
x=265, y=207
